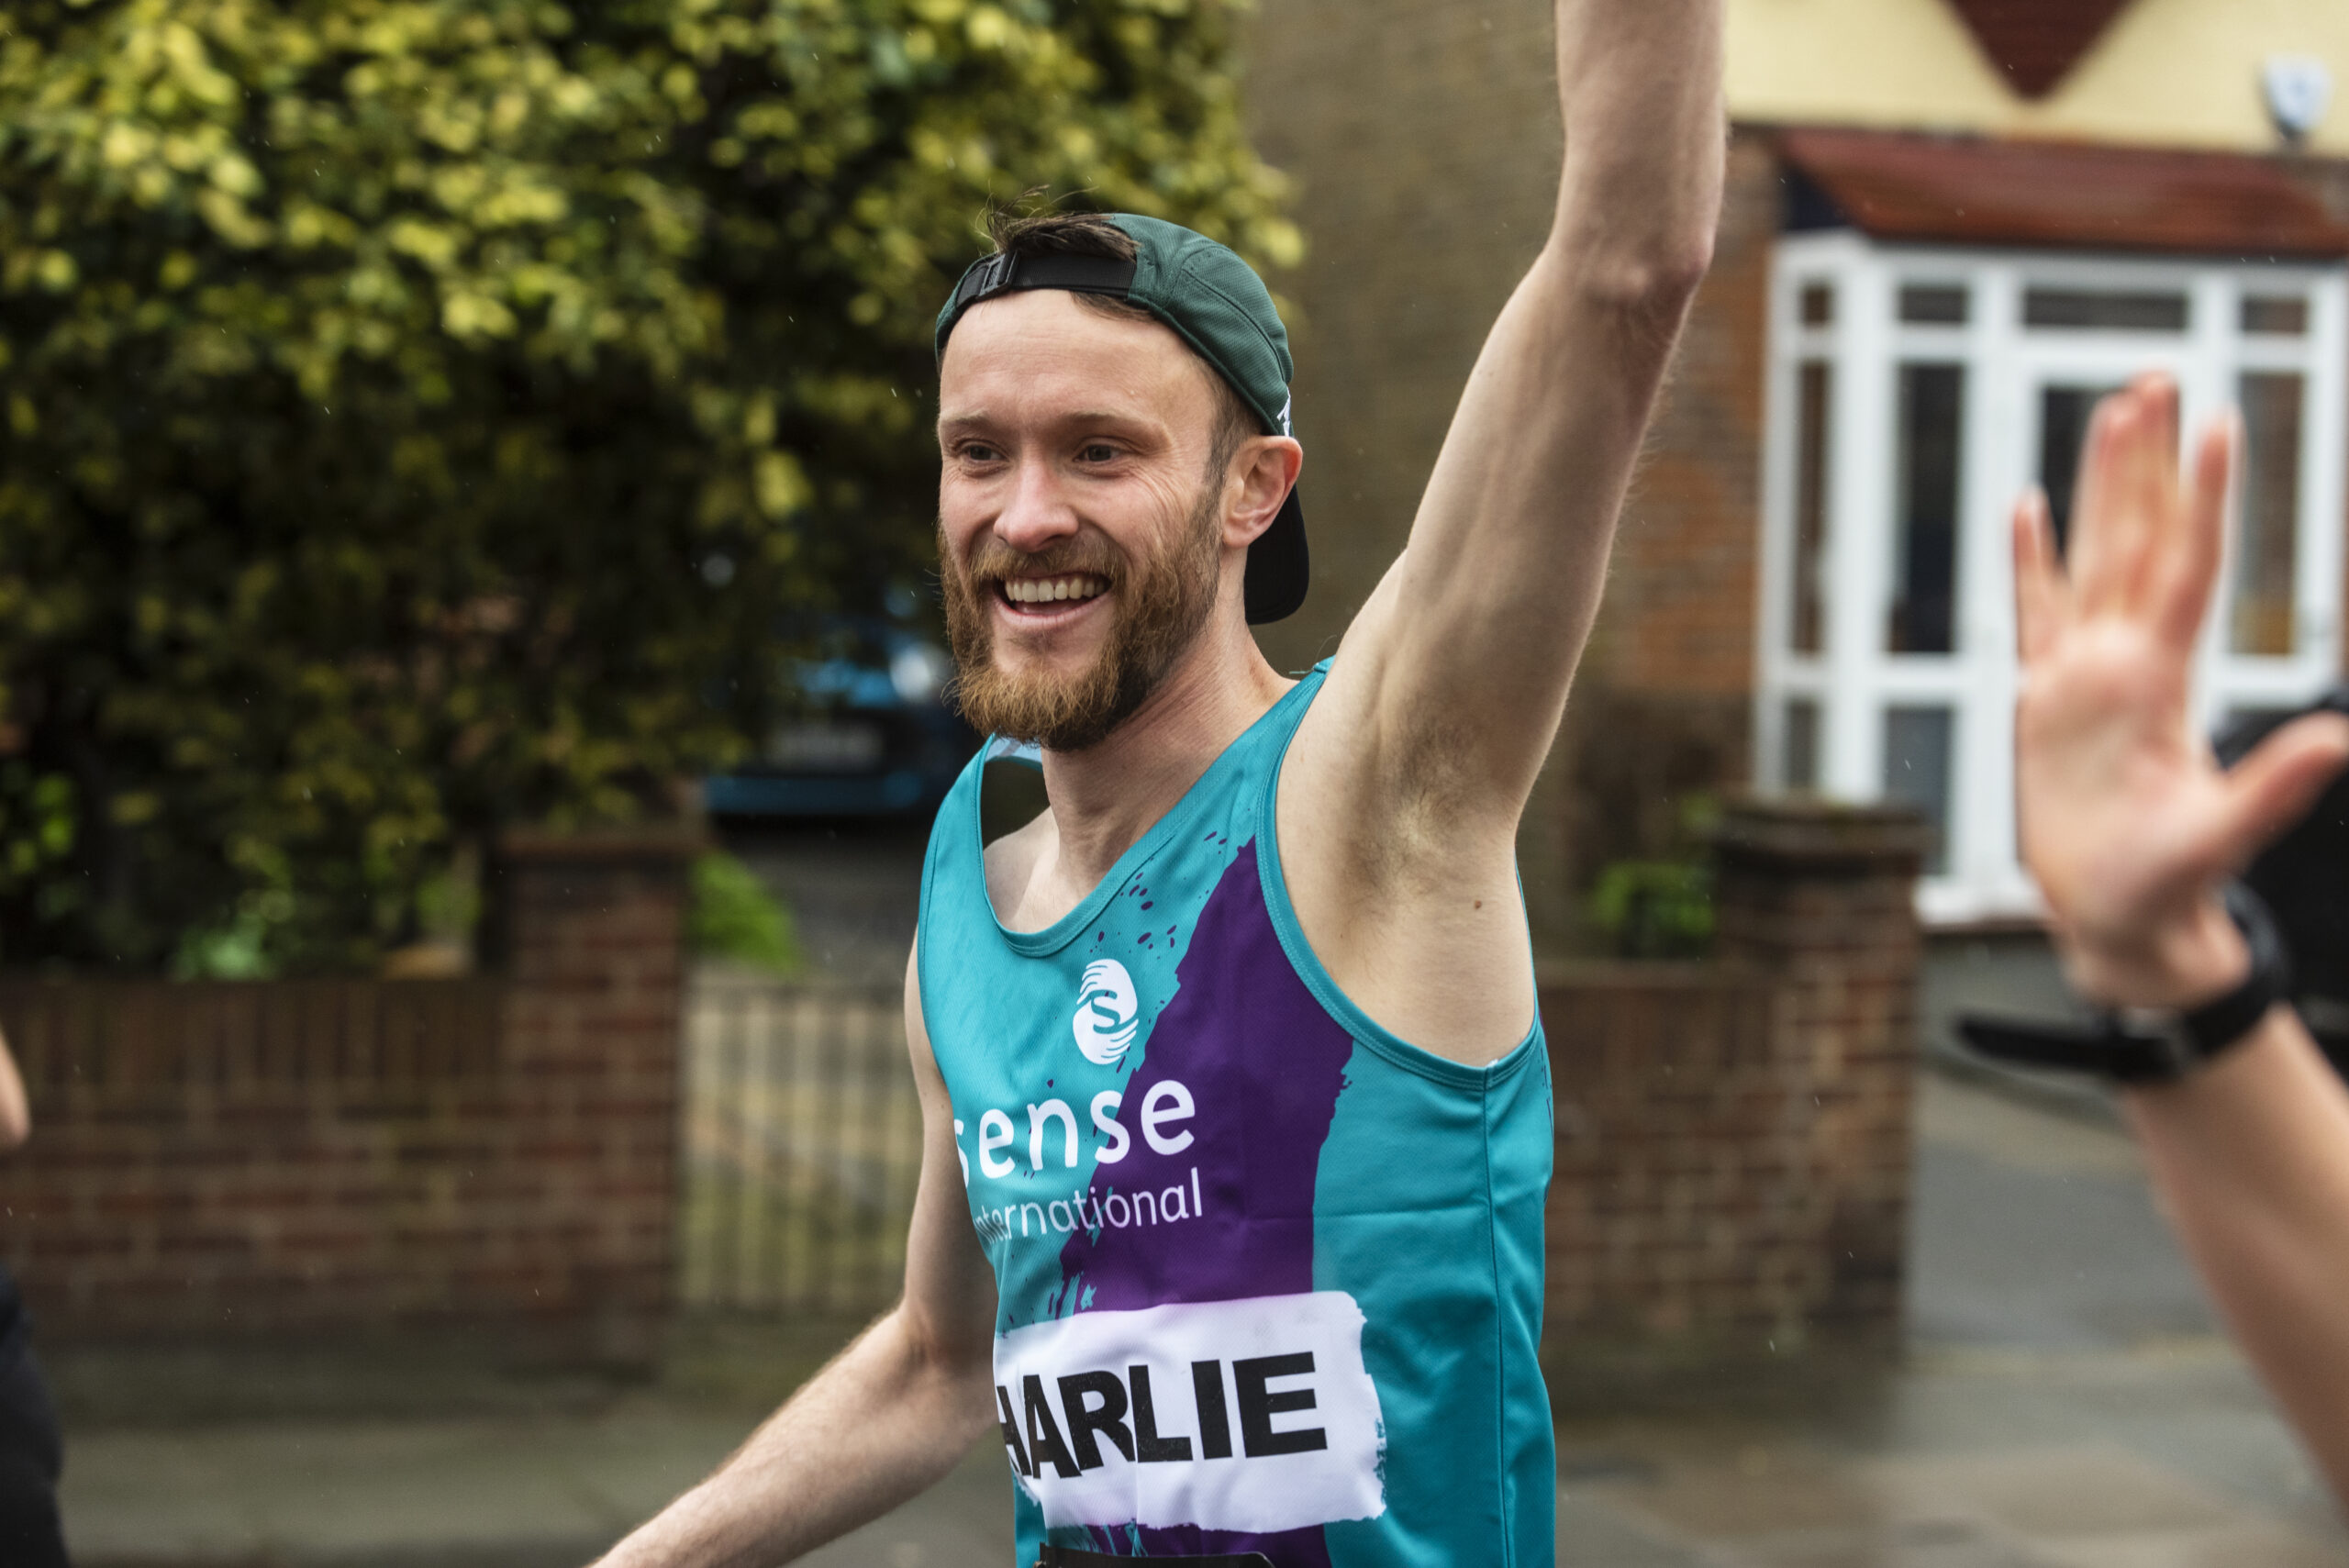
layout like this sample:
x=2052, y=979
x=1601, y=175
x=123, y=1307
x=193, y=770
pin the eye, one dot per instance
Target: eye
x=1098, y=451
x=978, y=451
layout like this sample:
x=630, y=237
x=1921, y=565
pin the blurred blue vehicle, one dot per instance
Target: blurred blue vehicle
x=874, y=735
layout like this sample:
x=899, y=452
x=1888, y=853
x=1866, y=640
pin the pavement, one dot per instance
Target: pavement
x=460, y=1493
x=2067, y=1401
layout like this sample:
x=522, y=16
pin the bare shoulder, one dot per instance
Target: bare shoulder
x=1405, y=891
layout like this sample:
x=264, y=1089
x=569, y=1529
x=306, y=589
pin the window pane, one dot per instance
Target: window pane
x=1798, y=769
x=1933, y=305
x=1917, y=742
x=1813, y=404
x=2063, y=415
x=1817, y=305
x=2100, y=310
x=1924, y=543
x=2269, y=508
x=2281, y=315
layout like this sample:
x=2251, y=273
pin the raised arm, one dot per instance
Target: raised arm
x=1459, y=660
x=2130, y=828
x=1400, y=796
x=889, y=1415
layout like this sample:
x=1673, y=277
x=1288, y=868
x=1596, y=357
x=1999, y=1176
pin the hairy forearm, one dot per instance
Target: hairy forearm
x=883, y=1421
x=2251, y=1158
x=1639, y=86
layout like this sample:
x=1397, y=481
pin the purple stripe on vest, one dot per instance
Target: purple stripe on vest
x=1264, y=1065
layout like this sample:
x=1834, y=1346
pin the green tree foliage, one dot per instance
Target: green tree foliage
x=1663, y=908
x=735, y=917
x=413, y=412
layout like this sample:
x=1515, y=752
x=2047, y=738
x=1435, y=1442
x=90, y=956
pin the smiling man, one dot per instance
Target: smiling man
x=1235, y=1105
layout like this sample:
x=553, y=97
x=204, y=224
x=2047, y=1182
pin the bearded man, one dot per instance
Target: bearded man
x=1235, y=1103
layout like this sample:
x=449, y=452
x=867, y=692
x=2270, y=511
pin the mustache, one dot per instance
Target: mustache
x=991, y=561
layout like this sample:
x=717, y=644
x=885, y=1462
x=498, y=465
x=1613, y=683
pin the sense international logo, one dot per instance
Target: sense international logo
x=1107, y=1012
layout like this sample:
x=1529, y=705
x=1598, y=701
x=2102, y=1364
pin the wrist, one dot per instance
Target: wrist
x=2179, y=961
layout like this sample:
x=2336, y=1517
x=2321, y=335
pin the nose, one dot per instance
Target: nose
x=1036, y=515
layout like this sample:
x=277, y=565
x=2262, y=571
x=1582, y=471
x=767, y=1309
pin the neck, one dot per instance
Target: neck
x=1105, y=797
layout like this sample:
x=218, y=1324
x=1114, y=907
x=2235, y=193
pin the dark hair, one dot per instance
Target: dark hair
x=1049, y=233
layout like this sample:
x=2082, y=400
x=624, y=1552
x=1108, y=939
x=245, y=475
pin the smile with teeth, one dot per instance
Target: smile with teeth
x=1049, y=590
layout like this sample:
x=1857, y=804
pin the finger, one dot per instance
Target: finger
x=2181, y=594
x=2147, y=514
x=2042, y=597
x=2092, y=538
x=2273, y=787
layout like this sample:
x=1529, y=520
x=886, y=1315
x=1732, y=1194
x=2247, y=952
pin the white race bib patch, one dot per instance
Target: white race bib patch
x=1256, y=1416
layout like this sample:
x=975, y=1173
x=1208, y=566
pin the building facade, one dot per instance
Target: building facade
x=1950, y=226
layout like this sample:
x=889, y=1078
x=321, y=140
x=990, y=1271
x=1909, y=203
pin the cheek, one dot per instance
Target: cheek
x=1147, y=518
x=960, y=519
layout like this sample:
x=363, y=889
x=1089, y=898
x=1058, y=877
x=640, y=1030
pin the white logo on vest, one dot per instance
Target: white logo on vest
x=1107, y=1013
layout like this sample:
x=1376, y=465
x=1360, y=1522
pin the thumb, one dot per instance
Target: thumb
x=2273, y=787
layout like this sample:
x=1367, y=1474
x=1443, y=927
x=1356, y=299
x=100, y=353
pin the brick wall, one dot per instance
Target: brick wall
x=317, y=1157
x=1734, y=1138
x=1424, y=139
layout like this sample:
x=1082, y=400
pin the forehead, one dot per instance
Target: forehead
x=1030, y=353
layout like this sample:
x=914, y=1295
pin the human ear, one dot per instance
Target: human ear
x=1262, y=474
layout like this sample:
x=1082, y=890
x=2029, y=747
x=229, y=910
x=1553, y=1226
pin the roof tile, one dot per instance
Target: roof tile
x=1962, y=190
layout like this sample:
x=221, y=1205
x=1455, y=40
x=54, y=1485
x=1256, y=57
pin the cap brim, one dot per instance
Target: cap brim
x=1278, y=569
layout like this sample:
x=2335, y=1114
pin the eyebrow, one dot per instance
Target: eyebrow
x=1078, y=416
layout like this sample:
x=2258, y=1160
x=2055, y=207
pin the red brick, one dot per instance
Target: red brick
x=361, y=1176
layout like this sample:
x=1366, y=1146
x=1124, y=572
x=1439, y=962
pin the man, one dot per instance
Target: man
x=2132, y=832
x=1235, y=1107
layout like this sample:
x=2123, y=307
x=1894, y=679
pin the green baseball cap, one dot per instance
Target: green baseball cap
x=1216, y=303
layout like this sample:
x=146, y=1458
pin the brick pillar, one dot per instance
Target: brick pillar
x=1820, y=899
x=590, y=929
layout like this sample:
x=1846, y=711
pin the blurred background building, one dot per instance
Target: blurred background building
x=1951, y=223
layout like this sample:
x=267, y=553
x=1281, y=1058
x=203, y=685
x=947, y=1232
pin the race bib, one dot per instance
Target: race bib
x=1254, y=1416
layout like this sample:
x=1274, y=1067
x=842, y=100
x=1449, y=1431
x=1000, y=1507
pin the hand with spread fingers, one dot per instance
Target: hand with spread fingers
x=2128, y=823
x=2132, y=830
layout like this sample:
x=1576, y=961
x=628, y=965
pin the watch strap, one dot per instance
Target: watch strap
x=2152, y=1046
x=2224, y=1021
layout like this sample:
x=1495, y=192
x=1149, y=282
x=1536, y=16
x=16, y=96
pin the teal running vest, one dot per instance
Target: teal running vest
x=1270, y=1277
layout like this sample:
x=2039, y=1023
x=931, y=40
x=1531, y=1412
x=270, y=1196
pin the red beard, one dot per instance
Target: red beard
x=1160, y=604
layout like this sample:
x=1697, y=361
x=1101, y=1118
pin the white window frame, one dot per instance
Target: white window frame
x=1852, y=679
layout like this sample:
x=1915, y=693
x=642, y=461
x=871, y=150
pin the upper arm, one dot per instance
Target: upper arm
x=950, y=1289
x=1458, y=665
x=1462, y=655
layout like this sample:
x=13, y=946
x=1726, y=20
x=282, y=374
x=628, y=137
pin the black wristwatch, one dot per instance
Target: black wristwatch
x=2141, y=1045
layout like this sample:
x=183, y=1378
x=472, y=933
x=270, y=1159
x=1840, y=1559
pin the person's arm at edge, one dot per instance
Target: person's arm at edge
x=2130, y=828
x=2251, y=1158
x=885, y=1419
x=1462, y=657
x=16, y=1110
